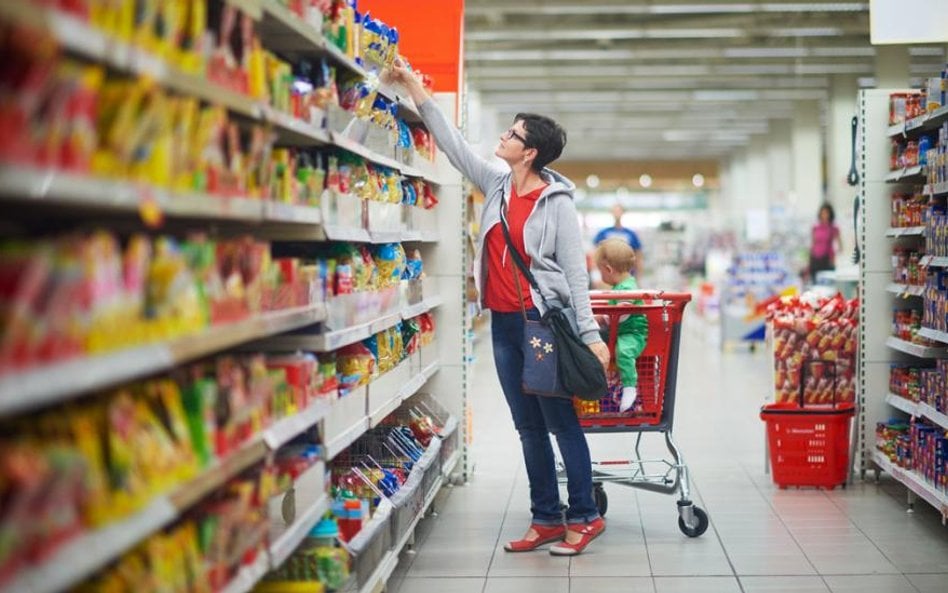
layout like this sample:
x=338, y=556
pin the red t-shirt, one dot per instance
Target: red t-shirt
x=500, y=292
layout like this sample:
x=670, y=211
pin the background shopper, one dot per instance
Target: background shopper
x=617, y=231
x=824, y=242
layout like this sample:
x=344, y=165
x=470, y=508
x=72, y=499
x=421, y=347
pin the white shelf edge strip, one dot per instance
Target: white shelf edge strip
x=286, y=429
x=913, y=482
x=388, y=563
x=934, y=415
x=916, y=349
x=934, y=334
x=287, y=542
x=348, y=436
x=335, y=339
x=900, y=403
x=451, y=464
x=248, y=576
x=88, y=553
x=905, y=290
x=66, y=380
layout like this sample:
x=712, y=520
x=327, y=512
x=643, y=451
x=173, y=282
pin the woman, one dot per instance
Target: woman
x=543, y=224
x=824, y=243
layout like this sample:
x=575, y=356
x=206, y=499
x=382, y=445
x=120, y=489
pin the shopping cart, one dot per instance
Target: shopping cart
x=654, y=411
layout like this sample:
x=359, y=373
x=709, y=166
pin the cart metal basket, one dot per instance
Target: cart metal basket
x=654, y=411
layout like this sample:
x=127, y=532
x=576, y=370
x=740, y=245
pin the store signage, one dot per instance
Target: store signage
x=908, y=21
x=431, y=34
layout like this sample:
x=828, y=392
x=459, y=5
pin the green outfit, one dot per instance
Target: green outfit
x=633, y=333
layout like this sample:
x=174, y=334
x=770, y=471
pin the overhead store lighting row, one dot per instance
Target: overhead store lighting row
x=620, y=33
x=669, y=9
x=543, y=55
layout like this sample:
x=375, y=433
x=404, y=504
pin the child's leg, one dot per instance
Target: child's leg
x=628, y=349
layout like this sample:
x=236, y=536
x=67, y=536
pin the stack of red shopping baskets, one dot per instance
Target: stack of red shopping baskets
x=814, y=344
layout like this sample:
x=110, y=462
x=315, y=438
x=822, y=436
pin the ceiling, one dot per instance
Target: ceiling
x=666, y=79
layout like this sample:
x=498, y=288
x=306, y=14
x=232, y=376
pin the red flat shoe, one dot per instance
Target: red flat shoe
x=589, y=532
x=545, y=535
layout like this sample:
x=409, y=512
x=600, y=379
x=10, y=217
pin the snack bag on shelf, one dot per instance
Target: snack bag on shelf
x=814, y=346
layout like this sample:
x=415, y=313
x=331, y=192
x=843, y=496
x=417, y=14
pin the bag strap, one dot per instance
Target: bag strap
x=517, y=259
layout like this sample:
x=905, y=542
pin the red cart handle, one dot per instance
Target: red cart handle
x=639, y=295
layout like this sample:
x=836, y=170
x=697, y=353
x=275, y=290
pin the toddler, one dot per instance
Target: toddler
x=615, y=260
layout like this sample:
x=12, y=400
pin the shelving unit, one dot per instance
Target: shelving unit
x=441, y=370
x=880, y=296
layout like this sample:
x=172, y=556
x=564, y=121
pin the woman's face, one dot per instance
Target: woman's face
x=512, y=145
x=824, y=216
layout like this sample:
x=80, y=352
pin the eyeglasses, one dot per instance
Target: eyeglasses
x=511, y=133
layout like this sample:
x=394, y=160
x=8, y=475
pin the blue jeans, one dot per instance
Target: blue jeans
x=534, y=418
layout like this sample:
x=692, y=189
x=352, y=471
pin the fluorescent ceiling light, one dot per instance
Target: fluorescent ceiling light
x=927, y=52
x=765, y=52
x=696, y=8
x=601, y=34
x=729, y=95
x=806, y=32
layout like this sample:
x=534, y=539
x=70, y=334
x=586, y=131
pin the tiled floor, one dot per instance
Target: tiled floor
x=762, y=539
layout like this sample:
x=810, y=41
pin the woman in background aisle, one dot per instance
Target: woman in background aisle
x=543, y=224
x=824, y=242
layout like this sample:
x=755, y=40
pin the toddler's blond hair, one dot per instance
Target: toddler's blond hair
x=617, y=254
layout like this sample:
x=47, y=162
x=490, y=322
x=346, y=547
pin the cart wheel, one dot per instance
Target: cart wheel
x=698, y=529
x=602, y=501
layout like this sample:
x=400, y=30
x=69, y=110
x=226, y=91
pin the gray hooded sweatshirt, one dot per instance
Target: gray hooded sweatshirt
x=551, y=234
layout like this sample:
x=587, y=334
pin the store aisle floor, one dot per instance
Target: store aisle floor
x=761, y=539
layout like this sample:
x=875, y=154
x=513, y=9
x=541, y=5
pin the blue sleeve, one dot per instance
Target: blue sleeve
x=634, y=240
x=600, y=237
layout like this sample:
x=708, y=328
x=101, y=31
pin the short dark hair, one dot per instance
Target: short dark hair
x=545, y=135
x=829, y=209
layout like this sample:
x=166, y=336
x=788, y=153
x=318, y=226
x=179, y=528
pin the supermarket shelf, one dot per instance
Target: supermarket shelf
x=335, y=339
x=906, y=175
x=64, y=189
x=66, y=380
x=916, y=349
x=936, y=189
x=88, y=553
x=934, y=334
x=913, y=482
x=354, y=147
x=406, y=391
x=905, y=290
x=386, y=566
x=934, y=415
x=923, y=123
x=423, y=307
x=287, y=429
x=900, y=403
x=348, y=436
x=217, y=475
x=249, y=576
x=917, y=409
x=911, y=231
x=932, y=261
x=287, y=542
x=451, y=463
x=291, y=213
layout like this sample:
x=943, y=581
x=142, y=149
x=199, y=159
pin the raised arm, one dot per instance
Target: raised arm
x=446, y=135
